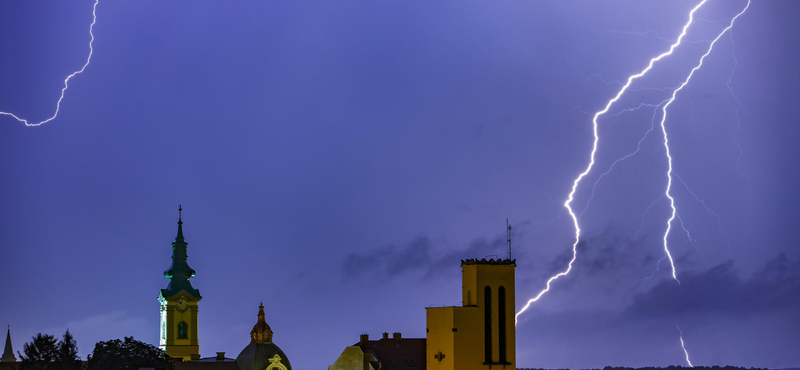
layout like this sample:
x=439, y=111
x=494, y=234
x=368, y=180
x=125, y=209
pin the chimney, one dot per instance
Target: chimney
x=385, y=335
x=220, y=356
x=364, y=339
x=396, y=335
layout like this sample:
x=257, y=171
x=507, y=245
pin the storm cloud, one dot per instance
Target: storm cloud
x=423, y=256
x=775, y=286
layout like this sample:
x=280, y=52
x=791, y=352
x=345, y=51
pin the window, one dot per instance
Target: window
x=501, y=321
x=487, y=319
x=183, y=330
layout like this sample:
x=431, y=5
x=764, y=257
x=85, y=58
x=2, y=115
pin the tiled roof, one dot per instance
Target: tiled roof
x=397, y=353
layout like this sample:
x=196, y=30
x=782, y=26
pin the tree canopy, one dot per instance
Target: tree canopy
x=44, y=352
x=40, y=353
x=128, y=354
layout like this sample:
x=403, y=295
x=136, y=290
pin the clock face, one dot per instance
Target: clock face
x=182, y=304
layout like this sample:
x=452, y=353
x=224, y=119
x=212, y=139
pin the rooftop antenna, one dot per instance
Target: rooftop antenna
x=508, y=237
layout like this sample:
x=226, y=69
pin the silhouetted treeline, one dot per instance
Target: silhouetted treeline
x=45, y=352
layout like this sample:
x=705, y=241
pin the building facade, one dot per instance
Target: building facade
x=479, y=334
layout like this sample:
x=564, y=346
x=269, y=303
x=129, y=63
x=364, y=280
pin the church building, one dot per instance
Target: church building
x=479, y=334
x=179, y=304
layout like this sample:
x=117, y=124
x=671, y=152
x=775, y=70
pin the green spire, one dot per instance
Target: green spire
x=179, y=272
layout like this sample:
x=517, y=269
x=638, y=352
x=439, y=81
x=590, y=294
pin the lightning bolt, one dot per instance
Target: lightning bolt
x=666, y=138
x=708, y=209
x=738, y=106
x=577, y=181
x=685, y=352
x=631, y=154
x=66, y=80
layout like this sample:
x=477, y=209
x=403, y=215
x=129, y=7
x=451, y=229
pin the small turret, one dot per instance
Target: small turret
x=261, y=332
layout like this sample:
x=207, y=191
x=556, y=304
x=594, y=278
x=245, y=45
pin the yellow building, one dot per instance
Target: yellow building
x=480, y=333
x=179, y=305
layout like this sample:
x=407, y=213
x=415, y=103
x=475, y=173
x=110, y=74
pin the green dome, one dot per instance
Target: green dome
x=261, y=356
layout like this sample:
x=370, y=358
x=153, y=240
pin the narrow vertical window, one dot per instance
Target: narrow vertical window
x=469, y=298
x=487, y=309
x=501, y=321
x=182, y=330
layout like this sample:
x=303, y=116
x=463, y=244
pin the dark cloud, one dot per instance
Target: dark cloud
x=608, y=261
x=390, y=260
x=774, y=286
x=420, y=255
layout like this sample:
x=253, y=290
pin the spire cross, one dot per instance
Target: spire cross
x=180, y=210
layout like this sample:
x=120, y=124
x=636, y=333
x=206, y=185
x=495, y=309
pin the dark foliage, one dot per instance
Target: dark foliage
x=40, y=353
x=67, y=353
x=44, y=352
x=129, y=354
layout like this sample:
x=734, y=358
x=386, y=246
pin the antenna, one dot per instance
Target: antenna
x=508, y=237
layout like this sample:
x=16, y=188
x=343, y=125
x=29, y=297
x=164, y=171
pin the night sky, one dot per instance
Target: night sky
x=336, y=159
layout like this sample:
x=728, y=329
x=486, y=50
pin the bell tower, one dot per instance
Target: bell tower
x=179, y=303
x=479, y=334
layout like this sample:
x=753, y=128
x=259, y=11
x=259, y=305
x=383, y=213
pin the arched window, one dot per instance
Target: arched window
x=487, y=319
x=183, y=330
x=469, y=298
x=501, y=321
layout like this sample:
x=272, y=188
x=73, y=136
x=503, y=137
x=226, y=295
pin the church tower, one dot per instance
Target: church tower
x=479, y=334
x=179, y=304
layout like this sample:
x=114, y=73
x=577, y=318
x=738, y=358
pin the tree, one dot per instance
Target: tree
x=40, y=353
x=67, y=355
x=129, y=354
x=44, y=352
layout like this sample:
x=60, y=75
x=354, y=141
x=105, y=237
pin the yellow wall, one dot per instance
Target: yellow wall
x=458, y=332
x=187, y=348
x=440, y=338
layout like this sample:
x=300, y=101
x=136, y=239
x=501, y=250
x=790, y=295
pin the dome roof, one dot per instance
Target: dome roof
x=261, y=356
x=261, y=353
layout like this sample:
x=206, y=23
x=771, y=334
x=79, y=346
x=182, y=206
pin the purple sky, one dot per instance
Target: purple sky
x=336, y=160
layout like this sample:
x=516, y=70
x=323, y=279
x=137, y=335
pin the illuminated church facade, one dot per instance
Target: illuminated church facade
x=179, y=304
